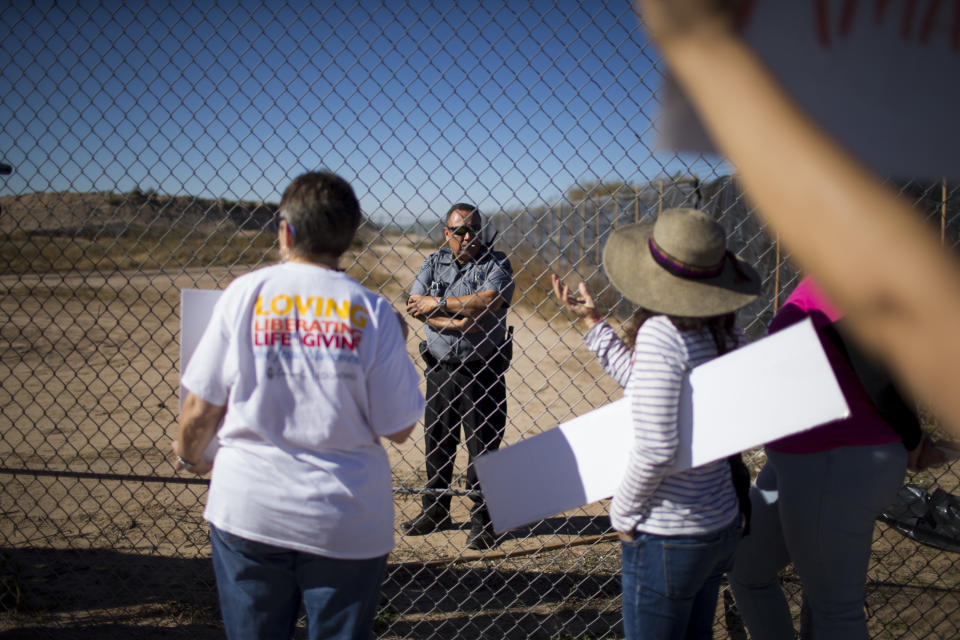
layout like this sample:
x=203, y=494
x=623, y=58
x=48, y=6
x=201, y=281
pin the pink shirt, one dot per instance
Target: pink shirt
x=864, y=426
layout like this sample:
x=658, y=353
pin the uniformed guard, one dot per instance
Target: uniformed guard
x=461, y=293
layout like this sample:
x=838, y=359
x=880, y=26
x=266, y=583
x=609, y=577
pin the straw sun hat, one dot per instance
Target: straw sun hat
x=679, y=266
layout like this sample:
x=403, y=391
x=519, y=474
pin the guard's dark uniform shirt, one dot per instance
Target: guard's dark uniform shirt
x=441, y=275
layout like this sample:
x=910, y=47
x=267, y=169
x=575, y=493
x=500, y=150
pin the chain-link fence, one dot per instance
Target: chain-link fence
x=148, y=142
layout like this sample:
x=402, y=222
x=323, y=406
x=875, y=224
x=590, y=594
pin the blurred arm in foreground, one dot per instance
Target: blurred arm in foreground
x=867, y=247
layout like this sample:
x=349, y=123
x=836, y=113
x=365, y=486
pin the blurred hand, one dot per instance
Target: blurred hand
x=580, y=304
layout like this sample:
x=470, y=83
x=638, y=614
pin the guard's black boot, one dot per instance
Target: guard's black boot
x=481, y=534
x=481, y=538
x=435, y=516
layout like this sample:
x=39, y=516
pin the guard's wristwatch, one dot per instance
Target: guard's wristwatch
x=441, y=303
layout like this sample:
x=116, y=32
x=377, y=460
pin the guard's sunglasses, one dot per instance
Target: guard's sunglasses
x=464, y=230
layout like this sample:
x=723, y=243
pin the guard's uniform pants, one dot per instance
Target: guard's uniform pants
x=473, y=395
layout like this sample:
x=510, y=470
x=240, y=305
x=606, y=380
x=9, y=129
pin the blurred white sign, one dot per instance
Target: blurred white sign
x=777, y=386
x=196, y=309
x=881, y=77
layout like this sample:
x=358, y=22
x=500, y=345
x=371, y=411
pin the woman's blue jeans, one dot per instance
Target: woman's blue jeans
x=816, y=510
x=670, y=583
x=261, y=587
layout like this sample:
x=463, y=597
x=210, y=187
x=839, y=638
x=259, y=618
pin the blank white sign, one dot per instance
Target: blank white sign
x=196, y=309
x=882, y=81
x=775, y=387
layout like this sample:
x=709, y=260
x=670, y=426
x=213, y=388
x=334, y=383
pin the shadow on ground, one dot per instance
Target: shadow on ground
x=102, y=594
x=466, y=602
x=573, y=526
x=96, y=593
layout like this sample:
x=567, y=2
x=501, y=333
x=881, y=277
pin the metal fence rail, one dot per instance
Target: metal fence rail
x=148, y=146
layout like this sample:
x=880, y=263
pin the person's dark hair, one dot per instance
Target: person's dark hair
x=630, y=327
x=721, y=328
x=324, y=212
x=460, y=206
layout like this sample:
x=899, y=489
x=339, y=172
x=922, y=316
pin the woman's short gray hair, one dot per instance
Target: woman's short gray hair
x=323, y=211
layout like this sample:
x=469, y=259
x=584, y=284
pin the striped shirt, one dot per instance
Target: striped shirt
x=651, y=498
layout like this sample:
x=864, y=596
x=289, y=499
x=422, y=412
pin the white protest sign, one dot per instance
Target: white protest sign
x=196, y=308
x=880, y=77
x=772, y=388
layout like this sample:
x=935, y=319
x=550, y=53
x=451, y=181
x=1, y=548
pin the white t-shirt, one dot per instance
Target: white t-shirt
x=312, y=368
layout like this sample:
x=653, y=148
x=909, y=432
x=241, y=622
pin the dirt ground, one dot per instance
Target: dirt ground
x=94, y=545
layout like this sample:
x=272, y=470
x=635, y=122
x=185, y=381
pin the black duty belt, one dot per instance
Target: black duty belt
x=472, y=365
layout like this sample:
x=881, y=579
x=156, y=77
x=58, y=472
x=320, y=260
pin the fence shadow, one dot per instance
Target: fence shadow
x=104, y=594
x=100, y=593
x=434, y=602
x=116, y=632
x=572, y=526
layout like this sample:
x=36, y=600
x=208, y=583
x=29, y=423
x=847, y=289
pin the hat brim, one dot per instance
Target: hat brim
x=633, y=272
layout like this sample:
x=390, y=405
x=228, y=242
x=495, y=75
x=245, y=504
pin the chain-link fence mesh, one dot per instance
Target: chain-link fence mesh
x=149, y=142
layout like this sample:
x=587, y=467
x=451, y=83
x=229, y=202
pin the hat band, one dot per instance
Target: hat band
x=682, y=269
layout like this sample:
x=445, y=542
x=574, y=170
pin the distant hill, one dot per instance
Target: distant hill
x=47, y=232
x=110, y=214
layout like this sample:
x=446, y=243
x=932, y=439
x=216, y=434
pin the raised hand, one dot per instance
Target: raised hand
x=581, y=304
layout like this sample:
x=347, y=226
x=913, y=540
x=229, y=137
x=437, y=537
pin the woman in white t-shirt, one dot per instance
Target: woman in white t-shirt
x=307, y=370
x=678, y=529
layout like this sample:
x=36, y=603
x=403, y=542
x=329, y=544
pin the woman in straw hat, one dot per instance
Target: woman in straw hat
x=678, y=530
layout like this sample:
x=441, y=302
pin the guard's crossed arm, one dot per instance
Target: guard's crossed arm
x=461, y=312
x=475, y=305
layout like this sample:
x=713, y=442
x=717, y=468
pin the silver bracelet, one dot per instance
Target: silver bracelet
x=185, y=464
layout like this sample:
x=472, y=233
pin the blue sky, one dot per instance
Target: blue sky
x=417, y=104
